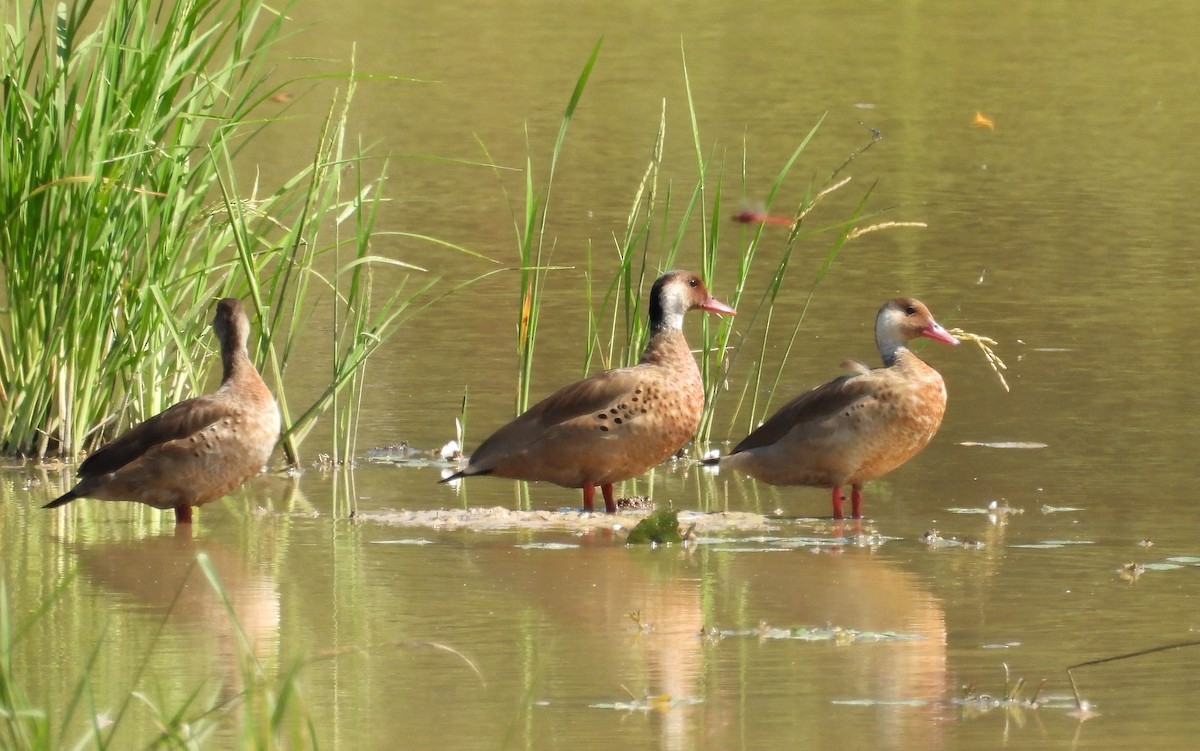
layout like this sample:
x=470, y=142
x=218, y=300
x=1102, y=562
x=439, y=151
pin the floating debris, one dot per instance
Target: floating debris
x=1084, y=709
x=881, y=702
x=992, y=509
x=402, y=454
x=776, y=544
x=1048, y=544
x=394, y=453
x=1162, y=566
x=983, y=121
x=659, y=703
x=548, y=546
x=835, y=634
x=407, y=541
x=635, y=503
x=1131, y=571
x=1172, y=563
x=934, y=540
x=975, y=702
x=1189, y=560
x=452, y=451
x=1048, y=509
x=639, y=624
x=1005, y=444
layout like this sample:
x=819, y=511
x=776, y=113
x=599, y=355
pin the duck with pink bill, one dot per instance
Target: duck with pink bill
x=617, y=424
x=857, y=427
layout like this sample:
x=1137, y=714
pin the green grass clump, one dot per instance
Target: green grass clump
x=663, y=224
x=121, y=219
x=661, y=527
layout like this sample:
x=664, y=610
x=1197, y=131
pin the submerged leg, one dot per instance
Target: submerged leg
x=610, y=506
x=183, y=514
x=837, y=502
x=856, y=501
x=589, y=492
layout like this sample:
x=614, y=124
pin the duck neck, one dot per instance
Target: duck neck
x=891, y=349
x=667, y=347
x=666, y=335
x=661, y=321
x=235, y=362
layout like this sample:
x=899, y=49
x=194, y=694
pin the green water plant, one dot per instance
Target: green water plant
x=122, y=219
x=533, y=250
x=658, y=229
x=661, y=527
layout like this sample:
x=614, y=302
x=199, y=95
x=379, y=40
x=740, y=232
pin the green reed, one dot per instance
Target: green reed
x=122, y=220
x=532, y=247
x=663, y=223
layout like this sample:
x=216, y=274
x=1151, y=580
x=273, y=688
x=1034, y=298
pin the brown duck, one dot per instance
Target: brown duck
x=198, y=450
x=617, y=424
x=857, y=427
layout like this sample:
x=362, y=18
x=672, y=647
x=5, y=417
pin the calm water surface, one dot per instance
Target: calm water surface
x=1065, y=233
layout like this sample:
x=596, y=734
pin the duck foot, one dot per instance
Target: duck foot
x=589, y=493
x=856, y=501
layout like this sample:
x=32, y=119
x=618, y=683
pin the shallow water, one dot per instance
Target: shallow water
x=1062, y=233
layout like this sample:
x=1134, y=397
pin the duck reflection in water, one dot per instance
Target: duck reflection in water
x=635, y=624
x=160, y=578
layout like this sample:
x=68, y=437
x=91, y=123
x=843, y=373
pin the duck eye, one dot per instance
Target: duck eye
x=910, y=311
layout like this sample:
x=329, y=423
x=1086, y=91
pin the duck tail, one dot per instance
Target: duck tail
x=62, y=500
x=465, y=472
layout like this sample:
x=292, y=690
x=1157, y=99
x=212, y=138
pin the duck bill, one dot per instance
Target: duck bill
x=935, y=331
x=713, y=305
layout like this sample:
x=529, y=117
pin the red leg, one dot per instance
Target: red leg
x=589, y=492
x=610, y=505
x=856, y=501
x=183, y=514
x=837, y=502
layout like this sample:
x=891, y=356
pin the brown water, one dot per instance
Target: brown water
x=1063, y=233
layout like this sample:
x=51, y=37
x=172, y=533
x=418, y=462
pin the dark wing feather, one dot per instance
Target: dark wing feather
x=180, y=421
x=593, y=394
x=575, y=400
x=812, y=406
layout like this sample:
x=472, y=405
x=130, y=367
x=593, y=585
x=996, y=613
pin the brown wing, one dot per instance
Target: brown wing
x=180, y=421
x=591, y=395
x=812, y=406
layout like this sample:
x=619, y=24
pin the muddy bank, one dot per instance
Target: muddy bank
x=499, y=518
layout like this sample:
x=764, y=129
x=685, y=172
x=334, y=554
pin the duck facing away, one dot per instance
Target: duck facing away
x=198, y=450
x=617, y=424
x=857, y=427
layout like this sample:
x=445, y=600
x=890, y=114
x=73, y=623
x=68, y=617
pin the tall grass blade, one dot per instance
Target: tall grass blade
x=119, y=125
